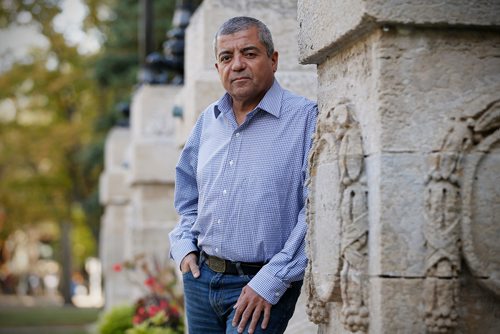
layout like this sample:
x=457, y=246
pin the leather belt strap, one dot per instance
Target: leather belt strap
x=229, y=267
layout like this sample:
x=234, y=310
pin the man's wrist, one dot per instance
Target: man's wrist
x=268, y=286
x=182, y=248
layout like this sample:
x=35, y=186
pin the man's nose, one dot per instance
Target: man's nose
x=238, y=63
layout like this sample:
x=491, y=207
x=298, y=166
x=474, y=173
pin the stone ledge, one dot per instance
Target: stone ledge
x=321, y=35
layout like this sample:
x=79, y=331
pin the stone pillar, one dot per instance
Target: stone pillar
x=202, y=84
x=114, y=195
x=153, y=156
x=404, y=192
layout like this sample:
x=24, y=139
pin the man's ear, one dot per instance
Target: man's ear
x=274, y=59
x=216, y=66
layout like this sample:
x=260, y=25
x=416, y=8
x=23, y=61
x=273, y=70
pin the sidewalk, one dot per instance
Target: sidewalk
x=44, y=315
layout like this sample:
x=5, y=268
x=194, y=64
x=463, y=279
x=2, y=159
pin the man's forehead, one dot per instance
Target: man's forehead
x=239, y=40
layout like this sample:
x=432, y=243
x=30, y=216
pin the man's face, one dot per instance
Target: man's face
x=245, y=69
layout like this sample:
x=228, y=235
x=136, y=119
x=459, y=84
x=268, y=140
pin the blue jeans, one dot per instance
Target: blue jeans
x=210, y=299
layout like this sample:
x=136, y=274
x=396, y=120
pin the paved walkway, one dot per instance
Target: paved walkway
x=10, y=302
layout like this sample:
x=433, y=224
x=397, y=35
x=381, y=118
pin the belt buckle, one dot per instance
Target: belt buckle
x=217, y=265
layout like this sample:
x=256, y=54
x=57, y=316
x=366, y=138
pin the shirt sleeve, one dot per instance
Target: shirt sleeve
x=287, y=266
x=182, y=240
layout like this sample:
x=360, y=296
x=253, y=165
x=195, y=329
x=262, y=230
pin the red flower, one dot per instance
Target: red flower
x=153, y=309
x=163, y=304
x=141, y=311
x=150, y=281
x=117, y=267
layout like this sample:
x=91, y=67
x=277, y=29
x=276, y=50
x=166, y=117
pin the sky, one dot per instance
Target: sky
x=17, y=40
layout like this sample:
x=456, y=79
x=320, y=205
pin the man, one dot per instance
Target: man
x=240, y=193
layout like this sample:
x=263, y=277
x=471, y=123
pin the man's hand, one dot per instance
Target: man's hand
x=190, y=263
x=250, y=305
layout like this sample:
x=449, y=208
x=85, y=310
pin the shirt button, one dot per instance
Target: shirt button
x=216, y=249
x=224, y=191
x=218, y=221
x=231, y=162
x=276, y=294
x=237, y=134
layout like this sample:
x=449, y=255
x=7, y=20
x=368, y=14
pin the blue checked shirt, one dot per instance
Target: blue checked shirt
x=240, y=190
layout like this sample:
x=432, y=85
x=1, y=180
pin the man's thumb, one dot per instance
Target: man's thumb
x=194, y=270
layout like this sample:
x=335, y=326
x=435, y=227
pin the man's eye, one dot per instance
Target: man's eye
x=250, y=54
x=224, y=59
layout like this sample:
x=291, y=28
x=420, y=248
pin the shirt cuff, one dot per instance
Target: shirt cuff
x=268, y=286
x=182, y=248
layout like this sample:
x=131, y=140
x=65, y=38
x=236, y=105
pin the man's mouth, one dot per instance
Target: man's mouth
x=240, y=79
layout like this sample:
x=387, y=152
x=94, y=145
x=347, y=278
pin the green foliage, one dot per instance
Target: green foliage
x=51, y=143
x=38, y=316
x=117, y=320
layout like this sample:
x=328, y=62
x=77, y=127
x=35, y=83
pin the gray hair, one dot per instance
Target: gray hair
x=240, y=23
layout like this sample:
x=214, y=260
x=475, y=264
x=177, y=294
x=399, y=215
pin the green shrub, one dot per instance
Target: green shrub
x=117, y=320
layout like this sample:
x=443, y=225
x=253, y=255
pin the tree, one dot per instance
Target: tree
x=56, y=106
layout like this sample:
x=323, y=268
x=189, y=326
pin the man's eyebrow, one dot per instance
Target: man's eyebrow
x=250, y=48
x=224, y=52
x=245, y=49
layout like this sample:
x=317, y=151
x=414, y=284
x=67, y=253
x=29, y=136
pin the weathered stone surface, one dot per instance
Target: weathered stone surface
x=408, y=87
x=396, y=208
x=425, y=94
x=112, y=239
x=395, y=306
x=300, y=82
x=480, y=222
x=429, y=78
x=351, y=78
x=153, y=161
x=153, y=205
x=113, y=188
x=328, y=26
x=152, y=111
x=478, y=308
x=115, y=150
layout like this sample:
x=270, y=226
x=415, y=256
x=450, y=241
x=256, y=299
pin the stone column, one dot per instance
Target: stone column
x=202, y=84
x=114, y=195
x=153, y=156
x=405, y=192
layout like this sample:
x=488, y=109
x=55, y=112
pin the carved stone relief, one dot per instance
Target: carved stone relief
x=338, y=211
x=459, y=222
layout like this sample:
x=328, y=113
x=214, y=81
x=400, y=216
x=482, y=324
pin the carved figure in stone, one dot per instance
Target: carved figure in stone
x=338, y=141
x=444, y=210
x=322, y=152
x=354, y=213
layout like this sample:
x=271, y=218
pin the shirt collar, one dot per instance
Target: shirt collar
x=271, y=102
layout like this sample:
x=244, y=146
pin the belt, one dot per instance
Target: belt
x=229, y=267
